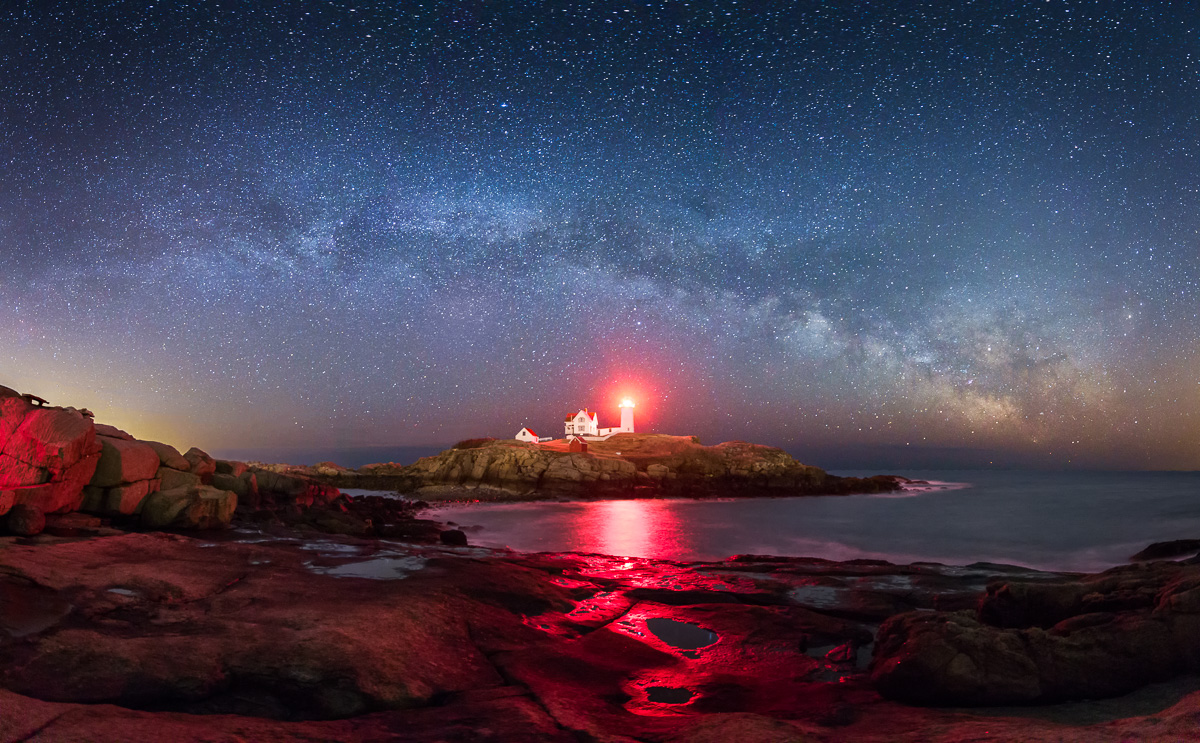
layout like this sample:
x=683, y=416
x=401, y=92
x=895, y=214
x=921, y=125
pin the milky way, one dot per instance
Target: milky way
x=968, y=234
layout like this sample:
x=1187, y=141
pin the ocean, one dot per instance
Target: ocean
x=1065, y=521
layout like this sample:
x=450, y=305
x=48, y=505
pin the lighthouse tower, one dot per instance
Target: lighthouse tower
x=626, y=407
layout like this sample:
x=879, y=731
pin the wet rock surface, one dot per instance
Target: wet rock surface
x=271, y=631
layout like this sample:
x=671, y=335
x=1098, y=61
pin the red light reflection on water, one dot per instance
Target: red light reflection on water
x=630, y=528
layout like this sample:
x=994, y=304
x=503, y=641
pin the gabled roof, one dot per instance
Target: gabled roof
x=530, y=430
x=585, y=411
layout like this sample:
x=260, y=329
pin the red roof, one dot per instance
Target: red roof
x=530, y=430
x=585, y=411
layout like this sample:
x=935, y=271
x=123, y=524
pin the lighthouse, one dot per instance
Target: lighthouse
x=586, y=423
x=626, y=407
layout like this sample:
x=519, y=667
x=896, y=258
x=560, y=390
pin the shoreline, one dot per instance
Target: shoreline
x=584, y=644
x=127, y=611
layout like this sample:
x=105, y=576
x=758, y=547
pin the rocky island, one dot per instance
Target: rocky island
x=148, y=594
x=636, y=465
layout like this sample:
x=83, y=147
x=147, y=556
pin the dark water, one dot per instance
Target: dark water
x=1050, y=520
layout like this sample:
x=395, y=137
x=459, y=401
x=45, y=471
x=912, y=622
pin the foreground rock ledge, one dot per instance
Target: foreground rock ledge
x=1040, y=642
x=261, y=637
x=625, y=465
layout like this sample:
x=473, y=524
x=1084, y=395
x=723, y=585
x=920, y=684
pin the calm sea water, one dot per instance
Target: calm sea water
x=1081, y=521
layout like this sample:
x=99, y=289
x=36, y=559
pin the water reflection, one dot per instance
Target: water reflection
x=632, y=528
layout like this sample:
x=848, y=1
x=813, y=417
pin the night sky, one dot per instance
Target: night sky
x=922, y=233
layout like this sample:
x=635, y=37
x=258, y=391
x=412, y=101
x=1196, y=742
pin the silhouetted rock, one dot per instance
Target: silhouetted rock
x=229, y=467
x=1167, y=550
x=25, y=520
x=453, y=537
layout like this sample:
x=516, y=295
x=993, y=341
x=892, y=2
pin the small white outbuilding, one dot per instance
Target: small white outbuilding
x=525, y=434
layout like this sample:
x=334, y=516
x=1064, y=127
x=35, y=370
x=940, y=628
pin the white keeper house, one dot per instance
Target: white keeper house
x=586, y=425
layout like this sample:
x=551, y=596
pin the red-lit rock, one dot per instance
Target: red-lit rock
x=103, y=429
x=202, y=465
x=124, y=461
x=227, y=467
x=200, y=640
x=195, y=634
x=47, y=455
x=245, y=485
x=286, y=488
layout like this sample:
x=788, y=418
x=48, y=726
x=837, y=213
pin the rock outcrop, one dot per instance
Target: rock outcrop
x=47, y=455
x=166, y=637
x=199, y=507
x=58, y=460
x=1099, y=636
x=126, y=474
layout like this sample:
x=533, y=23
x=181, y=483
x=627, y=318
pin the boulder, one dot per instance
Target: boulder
x=8, y=499
x=169, y=456
x=126, y=500
x=227, y=467
x=47, y=455
x=171, y=478
x=121, y=500
x=453, y=537
x=201, y=464
x=658, y=471
x=53, y=439
x=25, y=521
x=246, y=488
x=245, y=485
x=200, y=507
x=103, y=429
x=124, y=461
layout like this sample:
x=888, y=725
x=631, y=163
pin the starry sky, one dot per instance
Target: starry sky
x=873, y=233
